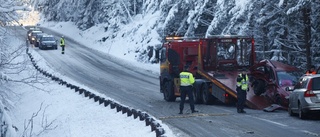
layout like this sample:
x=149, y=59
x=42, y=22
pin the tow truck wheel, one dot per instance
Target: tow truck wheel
x=168, y=92
x=259, y=87
x=207, y=98
x=196, y=96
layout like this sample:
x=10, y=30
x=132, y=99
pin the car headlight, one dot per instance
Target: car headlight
x=32, y=38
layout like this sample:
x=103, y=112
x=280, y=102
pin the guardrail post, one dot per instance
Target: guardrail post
x=112, y=105
x=96, y=98
x=81, y=90
x=129, y=112
x=106, y=103
x=101, y=100
x=91, y=95
x=159, y=131
x=124, y=110
x=154, y=125
x=119, y=108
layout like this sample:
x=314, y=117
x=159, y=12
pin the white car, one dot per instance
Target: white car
x=304, y=99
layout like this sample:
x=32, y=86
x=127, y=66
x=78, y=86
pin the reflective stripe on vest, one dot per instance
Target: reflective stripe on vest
x=186, y=79
x=243, y=83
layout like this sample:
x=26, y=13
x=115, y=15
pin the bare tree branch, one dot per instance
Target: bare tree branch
x=29, y=124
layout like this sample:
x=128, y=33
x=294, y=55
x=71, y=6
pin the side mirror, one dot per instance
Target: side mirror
x=289, y=88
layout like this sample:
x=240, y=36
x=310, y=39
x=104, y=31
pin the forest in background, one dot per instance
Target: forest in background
x=281, y=28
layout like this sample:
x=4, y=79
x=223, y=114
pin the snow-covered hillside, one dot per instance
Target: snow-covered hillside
x=143, y=24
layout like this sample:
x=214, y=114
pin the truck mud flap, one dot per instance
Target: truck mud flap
x=219, y=93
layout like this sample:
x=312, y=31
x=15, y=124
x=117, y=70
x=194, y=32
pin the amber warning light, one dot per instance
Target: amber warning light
x=174, y=38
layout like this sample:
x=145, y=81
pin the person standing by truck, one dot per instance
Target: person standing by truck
x=186, y=83
x=312, y=70
x=62, y=44
x=242, y=88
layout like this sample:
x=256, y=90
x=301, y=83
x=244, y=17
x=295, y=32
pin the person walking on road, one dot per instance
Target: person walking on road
x=242, y=89
x=62, y=44
x=186, y=83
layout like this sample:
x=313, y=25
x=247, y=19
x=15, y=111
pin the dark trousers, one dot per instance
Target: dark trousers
x=186, y=90
x=242, y=97
x=62, y=51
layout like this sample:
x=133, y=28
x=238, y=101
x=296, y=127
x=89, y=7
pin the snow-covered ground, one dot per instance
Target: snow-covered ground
x=45, y=108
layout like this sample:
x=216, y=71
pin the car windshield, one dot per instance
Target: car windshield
x=48, y=39
x=286, y=78
x=35, y=33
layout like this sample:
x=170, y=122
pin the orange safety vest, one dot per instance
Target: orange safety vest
x=311, y=73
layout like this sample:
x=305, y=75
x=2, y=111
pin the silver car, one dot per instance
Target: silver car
x=305, y=98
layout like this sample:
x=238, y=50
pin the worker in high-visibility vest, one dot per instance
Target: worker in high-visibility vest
x=311, y=71
x=242, y=89
x=186, y=84
x=62, y=44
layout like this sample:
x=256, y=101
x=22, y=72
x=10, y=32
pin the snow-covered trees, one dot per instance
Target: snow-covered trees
x=8, y=55
x=8, y=15
x=275, y=24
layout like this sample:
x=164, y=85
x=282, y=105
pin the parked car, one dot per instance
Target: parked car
x=48, y=41
x=32, y=38
x=37, y=39
x=30, y=30
x=271, y=78
x=304, y=99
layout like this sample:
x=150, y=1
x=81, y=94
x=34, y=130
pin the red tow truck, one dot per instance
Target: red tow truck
x=215, y=62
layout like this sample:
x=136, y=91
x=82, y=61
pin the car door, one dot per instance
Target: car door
x=298, y=91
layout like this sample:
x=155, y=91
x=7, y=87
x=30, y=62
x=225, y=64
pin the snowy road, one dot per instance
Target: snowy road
x=140, y=89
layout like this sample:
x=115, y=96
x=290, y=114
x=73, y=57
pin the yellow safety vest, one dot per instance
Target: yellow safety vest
x=186, y=79
x=243, y=83
x=62, y=42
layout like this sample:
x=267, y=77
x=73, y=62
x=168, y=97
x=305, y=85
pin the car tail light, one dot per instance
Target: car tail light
x=309, y=93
